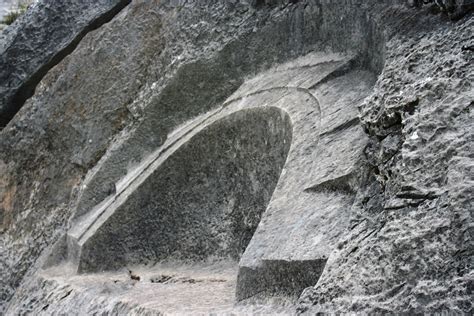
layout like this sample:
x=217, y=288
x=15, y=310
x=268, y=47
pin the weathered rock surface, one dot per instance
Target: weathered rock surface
x=371, y=214
x=410, y=246
x=454, y=9
x=42, y=37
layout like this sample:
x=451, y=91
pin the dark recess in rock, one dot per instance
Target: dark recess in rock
x=287, y=278
x=205, y=201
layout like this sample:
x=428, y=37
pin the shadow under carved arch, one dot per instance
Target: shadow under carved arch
x=204, y=201
x=201, y=195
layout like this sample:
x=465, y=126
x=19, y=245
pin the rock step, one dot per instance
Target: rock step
x=172, y=288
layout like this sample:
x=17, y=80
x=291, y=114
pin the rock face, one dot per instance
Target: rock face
x=411, y=241
x=284, y=156
x=454, y=9
x=47, y=32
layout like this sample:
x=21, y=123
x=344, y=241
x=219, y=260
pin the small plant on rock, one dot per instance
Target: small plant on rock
x=15, y=13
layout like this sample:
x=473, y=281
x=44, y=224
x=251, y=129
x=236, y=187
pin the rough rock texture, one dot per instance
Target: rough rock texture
x=377, y=212
x=454, y=9
x=90, y=112
x=410, y=247
x=47, y=32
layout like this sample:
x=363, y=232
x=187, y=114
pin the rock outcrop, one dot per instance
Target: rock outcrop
x=45, y=34
x=284, y=156
x=410, y=246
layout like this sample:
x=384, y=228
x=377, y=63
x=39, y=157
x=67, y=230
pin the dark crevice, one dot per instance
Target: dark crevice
x=28, y=88
x=395, y=290
x=411, y=106
x=353, y=250
x=357, y=223
x=411, y=199
x=368, y=235
x=412, y=193
x=416, y=196
x=339, y=72
x=343, y=126
x=66, y=295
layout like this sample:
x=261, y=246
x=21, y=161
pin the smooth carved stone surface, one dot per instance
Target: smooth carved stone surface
x=102, y=239
x=217, y=70
x=187, y=58
x=95, y=243
x=301, y=225
x=45, y=34
x=202, y=200
x=297, y=104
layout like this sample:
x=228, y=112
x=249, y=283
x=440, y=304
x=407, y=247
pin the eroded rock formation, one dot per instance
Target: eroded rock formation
x=284, y=156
